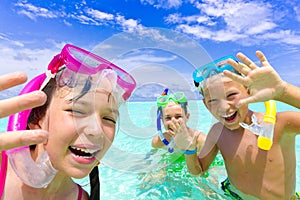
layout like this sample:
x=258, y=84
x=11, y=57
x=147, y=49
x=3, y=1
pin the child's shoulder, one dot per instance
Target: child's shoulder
x=215, y=131
x=217, y=125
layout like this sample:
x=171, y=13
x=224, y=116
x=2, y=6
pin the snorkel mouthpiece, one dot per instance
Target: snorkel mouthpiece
x=265, y=139
x=270, y=115
x=35, y=173
x=38, y=174
x=265, y=130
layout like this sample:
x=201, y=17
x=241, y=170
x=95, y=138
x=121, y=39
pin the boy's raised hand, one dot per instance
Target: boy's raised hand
x=263, y=82
x=13, y=105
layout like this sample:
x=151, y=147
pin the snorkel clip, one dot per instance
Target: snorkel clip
x=265, y=130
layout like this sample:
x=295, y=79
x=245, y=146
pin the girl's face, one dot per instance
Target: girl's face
x=173, y=111
x=81, y=131
x=221, y=100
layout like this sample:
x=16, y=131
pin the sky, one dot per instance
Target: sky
x=160, y=42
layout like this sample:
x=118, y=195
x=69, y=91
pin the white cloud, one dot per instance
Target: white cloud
x=261, y=28
x=297, y=11
x=33, y=12
x=286, y=36
x=84, y=19
x=239, y=16
x=206, y=33
x=227, y=35
x=98, y=18
x=231, y=20
x=165, y=4
x=127, y=24
x=140, y=59
x=96, y=14
x=176, y=18
x=88, y=16
x=11, y=42
x=67, y=23
x=17, y=57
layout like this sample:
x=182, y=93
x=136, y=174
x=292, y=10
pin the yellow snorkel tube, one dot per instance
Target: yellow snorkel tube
x=265, y=138
x=265, y=130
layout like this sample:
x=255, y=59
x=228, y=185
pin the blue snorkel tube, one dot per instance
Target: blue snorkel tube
x=170, y=144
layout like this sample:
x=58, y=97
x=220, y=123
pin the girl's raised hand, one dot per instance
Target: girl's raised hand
x=13, y=105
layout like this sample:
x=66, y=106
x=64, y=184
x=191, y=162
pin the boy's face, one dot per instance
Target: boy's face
x=80, y=132
x=173, y=111
x=221, y=94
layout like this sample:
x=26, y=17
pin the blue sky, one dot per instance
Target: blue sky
x=184, y=35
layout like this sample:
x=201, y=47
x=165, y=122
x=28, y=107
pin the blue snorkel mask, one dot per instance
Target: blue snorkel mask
x=162, y=101
x=211, y=69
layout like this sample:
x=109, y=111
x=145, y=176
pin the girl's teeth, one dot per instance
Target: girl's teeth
x=85, y=150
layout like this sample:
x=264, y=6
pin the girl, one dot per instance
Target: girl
x=83, y=94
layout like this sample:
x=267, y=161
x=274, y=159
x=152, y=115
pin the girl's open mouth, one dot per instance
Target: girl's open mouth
x=86, y=153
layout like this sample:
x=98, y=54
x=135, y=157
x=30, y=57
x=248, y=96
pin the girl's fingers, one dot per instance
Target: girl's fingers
x=14, y=139
x=12, y=79
x=23, y=102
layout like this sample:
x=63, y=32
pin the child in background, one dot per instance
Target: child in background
x=172, y=178
x=253, y=173
x=172, y=110
x=83, y=92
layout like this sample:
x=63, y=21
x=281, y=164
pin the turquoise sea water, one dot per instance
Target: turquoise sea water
x=131, y=169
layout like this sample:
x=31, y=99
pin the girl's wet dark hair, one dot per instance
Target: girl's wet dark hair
x=38, y=113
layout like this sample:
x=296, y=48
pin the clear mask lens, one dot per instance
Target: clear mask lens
x=95, y=112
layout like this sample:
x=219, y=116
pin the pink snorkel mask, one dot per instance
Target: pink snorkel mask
x=74, y=61
x=80, y=61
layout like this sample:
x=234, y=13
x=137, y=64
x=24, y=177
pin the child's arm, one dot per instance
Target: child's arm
x=198, y=164
x=263, y=82
x=156, y=142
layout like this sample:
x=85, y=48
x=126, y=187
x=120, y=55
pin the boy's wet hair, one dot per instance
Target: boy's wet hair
x=200, y=86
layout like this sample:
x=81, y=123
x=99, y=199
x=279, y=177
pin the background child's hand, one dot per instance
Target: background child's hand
x=182, y=137
x=16, y=104
x=263, y=82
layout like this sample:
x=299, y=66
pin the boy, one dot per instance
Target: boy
x=253, y=173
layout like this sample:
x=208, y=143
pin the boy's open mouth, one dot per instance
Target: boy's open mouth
x=87, y=153
x=231, y=117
